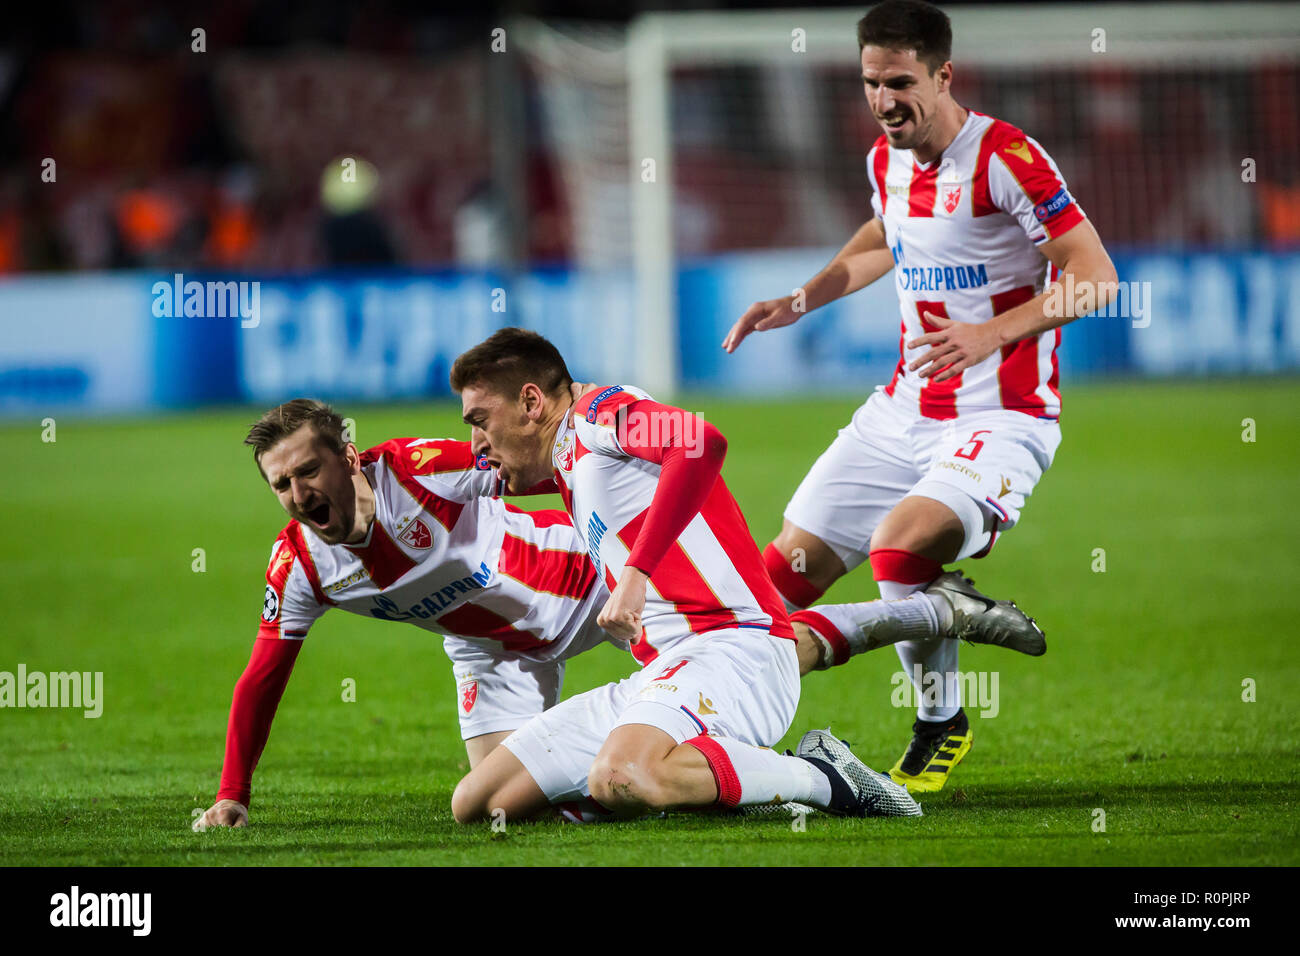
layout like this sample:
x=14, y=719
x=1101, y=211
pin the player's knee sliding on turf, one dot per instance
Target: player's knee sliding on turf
x=719, y=682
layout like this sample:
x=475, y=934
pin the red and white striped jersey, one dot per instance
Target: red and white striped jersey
x=964, y=232
x=712, y=577
x=444, y=554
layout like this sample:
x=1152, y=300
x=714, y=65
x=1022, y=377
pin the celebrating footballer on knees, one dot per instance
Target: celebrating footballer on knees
x=411, y=531
x=719, y=678
x=976, y=222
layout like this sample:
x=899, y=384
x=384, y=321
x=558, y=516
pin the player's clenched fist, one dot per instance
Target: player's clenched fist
x=621, y=615
x=761, y=316
x=223, y=813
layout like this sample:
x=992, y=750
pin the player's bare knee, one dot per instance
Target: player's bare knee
x=898, y=538
x=922, y=526
x=621, y=786
x=611, y=786
x=468, y=802
x=464, y=808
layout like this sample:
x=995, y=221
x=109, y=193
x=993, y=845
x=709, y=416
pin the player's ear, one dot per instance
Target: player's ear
x=534, y=401
x=944, y=76
x=353, y=458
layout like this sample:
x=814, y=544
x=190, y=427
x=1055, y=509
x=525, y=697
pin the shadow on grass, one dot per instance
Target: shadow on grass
x=1148, y=796
x=300, y=824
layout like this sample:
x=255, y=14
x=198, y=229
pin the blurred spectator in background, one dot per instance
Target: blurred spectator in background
x=1279, y=203
x=352, y=232
x=478, y=230
x=152, y=227
x=28, y=239
x=1278, y=170
x=232, y=226
x=1206, y=202
x=172, y=158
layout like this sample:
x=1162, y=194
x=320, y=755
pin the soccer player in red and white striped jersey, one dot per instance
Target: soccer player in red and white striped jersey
x=410, y=530
x=719, y=683
x=976, y=222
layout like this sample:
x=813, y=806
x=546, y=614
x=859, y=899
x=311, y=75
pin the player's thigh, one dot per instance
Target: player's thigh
x=640, y=766
x=499, y=693
x=986, y=470
x=558, y=746
x=477, y=748
x=499, y=786
x=739, y=683
x=924, y=526
x=628, y=763
x=864, y=473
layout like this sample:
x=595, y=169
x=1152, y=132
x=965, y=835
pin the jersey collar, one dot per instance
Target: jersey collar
x=926, y=167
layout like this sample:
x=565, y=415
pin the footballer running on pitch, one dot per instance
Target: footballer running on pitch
x=410, y=530
x=976, y=221
x=720, y=675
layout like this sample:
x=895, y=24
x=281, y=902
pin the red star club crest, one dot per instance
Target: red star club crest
x=417, y=535
x=468, y=695
x=565, y=456
x=951, y=196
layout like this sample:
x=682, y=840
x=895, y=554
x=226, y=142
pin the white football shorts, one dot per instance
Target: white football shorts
x=497, y=692
x=734, y=683
x=982, y=465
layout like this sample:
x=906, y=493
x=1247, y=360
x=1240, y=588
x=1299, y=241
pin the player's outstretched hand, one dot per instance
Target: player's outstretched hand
x=761, y=316
x=621, y=615
x=223, y=813
x=955, y=347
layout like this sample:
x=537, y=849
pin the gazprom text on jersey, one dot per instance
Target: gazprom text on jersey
x=387, y=610
x=940, y=278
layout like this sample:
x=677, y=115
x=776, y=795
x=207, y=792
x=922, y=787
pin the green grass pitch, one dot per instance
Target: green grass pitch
x=1137, y=709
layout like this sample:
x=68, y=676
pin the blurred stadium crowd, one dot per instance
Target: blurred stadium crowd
x=170, y=158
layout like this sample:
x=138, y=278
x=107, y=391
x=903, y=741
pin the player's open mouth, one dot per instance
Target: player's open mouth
x=320, y=515
x=894, y=121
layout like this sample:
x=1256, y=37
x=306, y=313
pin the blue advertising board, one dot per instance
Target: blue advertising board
x=132, y=342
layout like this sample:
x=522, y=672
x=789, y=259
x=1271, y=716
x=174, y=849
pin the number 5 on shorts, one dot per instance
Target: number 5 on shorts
x=971, y=449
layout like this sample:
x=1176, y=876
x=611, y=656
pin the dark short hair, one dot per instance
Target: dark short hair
x=283, y=420
x=908, y=25
x=509, y=359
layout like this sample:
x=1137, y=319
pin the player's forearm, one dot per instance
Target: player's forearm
x=690, y=469
x=863, y=260
x=1052, y=308
x=252, y=710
